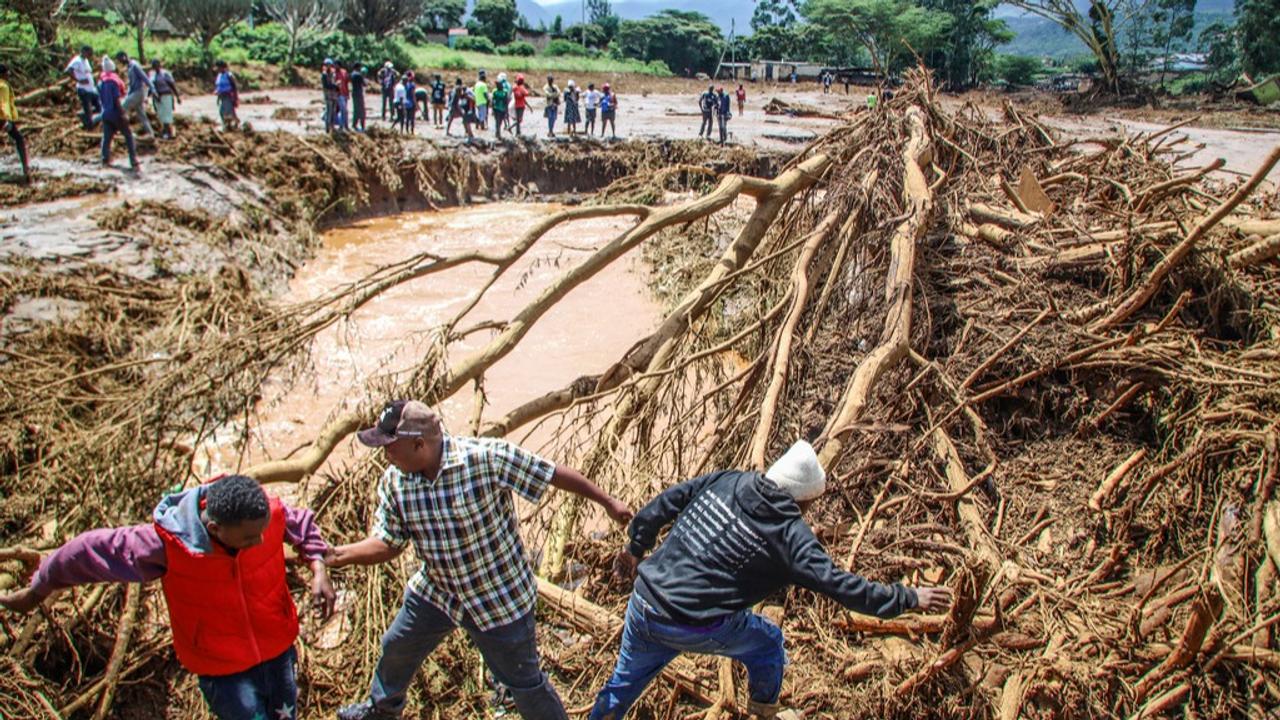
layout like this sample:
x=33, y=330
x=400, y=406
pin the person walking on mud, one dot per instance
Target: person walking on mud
x=591, y=103
x=437, y=101
x=453, y=499
x=723, y=113
x=461, y=107
x=741, y=93
x=114, y=119
x=480, y=91
x=387, y=78
x=218, y=552
x=140, y=88
x=358, y=119
x=707, y=104
x=228, y=94
x=551, y=94
x=609, y=112
x=410, y=108
x=80, y=68
x=738, y=537
x=520, y=95
x=166, y=98
x=9, y=122
x=499, y=101
x=343, y=80
x=329, y=86
x=572, y=115
x=397, y=109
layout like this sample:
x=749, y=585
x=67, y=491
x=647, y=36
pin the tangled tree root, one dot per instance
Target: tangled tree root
x=1061, y=404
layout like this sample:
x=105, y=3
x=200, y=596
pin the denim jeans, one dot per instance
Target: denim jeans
x=109, y=129
x=510, y=651
x=90, y=106
x=342, y=120
x=649, y=643
x=267, y=690
x=550, y=112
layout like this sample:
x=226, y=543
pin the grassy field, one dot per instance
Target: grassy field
x=442, y=57
x=116, y=38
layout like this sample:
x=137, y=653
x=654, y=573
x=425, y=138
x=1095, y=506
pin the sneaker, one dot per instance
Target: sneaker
x=365, y=711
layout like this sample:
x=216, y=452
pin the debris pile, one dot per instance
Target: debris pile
x=1043, y=372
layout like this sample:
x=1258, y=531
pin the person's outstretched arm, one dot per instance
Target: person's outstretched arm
x=127, y=554
x=388, y=539
x=652, y=518
x=570, y=480
x=811, y=567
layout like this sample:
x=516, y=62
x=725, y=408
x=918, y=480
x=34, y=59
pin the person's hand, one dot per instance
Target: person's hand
x=624, y=566
x=619, y=512
x=22, y=601
x=323, y=597
x=331, y=557
x=933, y=599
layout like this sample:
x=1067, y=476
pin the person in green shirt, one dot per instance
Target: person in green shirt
x=499, y=100
x=481, y=91
x=871, y=100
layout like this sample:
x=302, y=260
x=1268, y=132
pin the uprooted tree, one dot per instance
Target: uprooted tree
x=1041, y=371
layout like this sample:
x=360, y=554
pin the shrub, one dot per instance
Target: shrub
x=559, y=48
x=454, y=62
x=518, y=48
x=354, y=49
x=1018, y=69
x=475, y=43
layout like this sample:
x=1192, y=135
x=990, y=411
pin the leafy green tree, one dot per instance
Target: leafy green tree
x=440, y=15
x=1018, y=70
x=1222, y=53
x=589, y=35
x=300, y=19
x=884, y=28
x=379, y=18
x=1096, y=27
x=557, y=26
x=774, y=13
x=140, y=15
x=1174, y=21
x=598, y=10
x=206, y=19
x=687, y=42
x=44, y=16
x=496, y=19
x=609, y=23
x=774, y=42
x=1258, y=26
x=968, y=47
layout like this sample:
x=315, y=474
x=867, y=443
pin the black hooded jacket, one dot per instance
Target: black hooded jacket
x=737, y=538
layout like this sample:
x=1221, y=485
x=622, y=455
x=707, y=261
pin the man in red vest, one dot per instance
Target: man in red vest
x=218, y=551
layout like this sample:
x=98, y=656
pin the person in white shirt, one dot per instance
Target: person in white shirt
x=81, y=71
x=591, y=101
x=398, y=120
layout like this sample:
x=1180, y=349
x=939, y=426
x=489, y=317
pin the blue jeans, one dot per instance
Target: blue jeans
x=109, y=129
x=650, y=642
x=90, y=107
x=550, y=112
x=510, y=651
x=266, y=690
x=342, y=120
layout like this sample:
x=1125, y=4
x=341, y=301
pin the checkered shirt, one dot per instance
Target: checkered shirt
x=463, y=527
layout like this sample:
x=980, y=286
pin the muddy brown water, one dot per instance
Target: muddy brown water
x=589, y=329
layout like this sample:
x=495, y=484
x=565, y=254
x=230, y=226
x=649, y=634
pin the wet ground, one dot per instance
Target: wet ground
x=583, y=334
x=640, y=116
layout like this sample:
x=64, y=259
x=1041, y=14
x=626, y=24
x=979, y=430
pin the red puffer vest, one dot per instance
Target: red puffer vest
x=229, y=612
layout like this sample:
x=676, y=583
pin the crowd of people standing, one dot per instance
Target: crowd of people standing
x=479, y=107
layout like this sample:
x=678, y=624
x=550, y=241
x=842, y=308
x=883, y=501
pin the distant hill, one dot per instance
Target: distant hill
x=1044, y=38
x=721, y=12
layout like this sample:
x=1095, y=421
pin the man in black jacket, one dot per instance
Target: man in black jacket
x=738, y=537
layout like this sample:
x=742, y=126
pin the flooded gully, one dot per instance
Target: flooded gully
x=583, y=333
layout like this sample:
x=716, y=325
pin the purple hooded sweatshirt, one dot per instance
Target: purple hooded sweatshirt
x=136, y=553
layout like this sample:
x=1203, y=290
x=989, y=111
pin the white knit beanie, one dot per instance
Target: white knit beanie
x=108, y=65
x=798, y=472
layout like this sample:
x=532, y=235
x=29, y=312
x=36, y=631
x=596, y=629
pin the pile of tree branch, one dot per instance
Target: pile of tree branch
x=1042, y=372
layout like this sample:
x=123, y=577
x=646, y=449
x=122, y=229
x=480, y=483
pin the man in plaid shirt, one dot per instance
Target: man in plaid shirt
x=451, y=497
